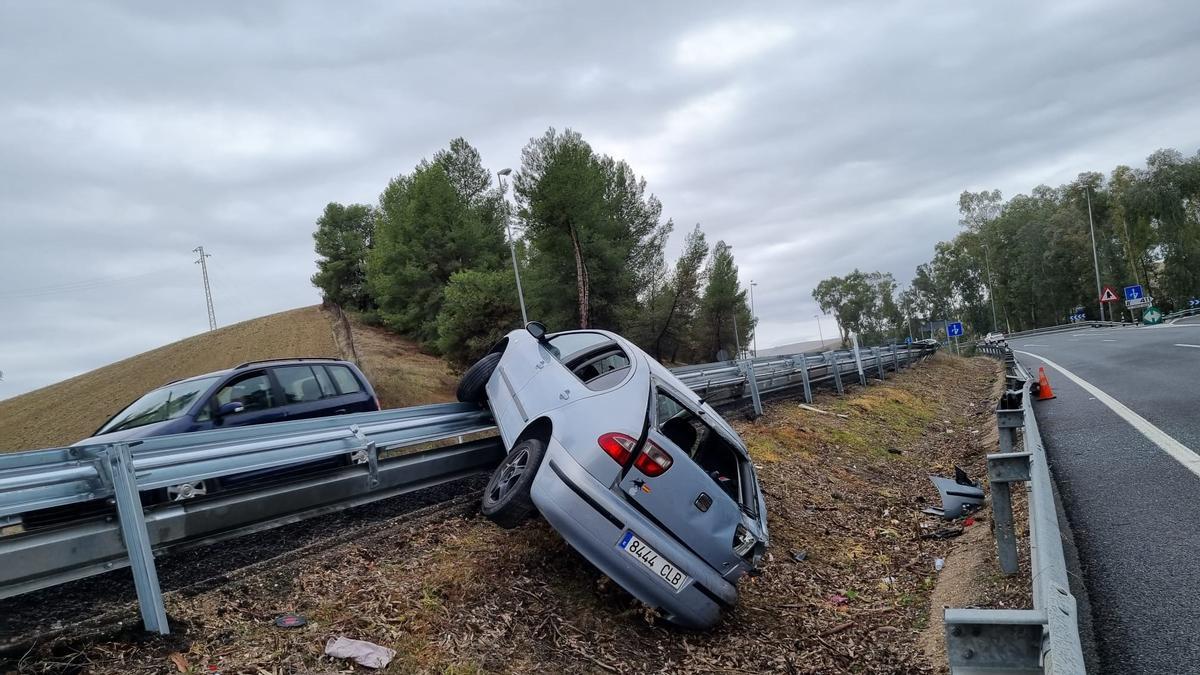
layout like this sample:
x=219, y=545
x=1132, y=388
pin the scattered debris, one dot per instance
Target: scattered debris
x=968, y=522
x=943, y=533
x=364, y=653
x=180, y=661
x=823, y=412
x=895, y=451
x=290, y=620
x=960, y=495
x=799, y=556
x=838, y=599
x=939, y=564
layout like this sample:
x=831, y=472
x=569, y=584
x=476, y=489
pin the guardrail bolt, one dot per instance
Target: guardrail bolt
x=969, y=654
x=956, y=631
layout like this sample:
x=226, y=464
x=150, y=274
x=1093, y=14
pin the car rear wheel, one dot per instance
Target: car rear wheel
x=472, y=386
x=506, y=499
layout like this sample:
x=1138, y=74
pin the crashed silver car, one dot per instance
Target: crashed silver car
x=630, y=466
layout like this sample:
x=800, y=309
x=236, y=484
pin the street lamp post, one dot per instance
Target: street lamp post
x=991, y=291
x=819, y=331
x=754, y=318
x=512, y=246
x=1095, y=258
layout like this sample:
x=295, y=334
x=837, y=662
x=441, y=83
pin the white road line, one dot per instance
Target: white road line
x=1035, y=345
x=1183, y=345
x=1108, y=340
x=1182, y=454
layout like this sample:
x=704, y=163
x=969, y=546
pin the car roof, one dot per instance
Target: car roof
x=274, y=362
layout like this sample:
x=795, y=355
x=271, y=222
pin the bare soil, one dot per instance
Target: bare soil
x=847, y=587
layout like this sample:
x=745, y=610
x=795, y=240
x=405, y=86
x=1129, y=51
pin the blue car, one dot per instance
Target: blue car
x=256, y=392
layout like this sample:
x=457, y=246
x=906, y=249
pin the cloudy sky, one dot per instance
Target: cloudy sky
x=814, y=140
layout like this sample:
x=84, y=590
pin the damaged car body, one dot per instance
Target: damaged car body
x=631, y=467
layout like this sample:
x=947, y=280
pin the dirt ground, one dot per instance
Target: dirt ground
x=65, y=412
x=847, y=586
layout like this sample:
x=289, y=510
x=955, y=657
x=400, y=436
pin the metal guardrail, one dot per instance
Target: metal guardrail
x=1181, y=314
x=728, y=381
x=1066, y=327
x=362, y=458
x=1044, y=639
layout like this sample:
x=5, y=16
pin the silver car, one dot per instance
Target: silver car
x=630, y=466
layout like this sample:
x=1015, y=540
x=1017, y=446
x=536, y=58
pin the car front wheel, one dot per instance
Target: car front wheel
x=506, y=499
x=472, y=388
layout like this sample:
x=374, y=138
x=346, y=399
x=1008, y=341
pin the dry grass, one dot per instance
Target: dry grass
x=400, y=373
x=65, y=412
x=458, y=595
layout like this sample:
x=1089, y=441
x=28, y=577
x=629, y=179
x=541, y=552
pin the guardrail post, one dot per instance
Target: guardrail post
x=804, y=379
x=118, y=461
x=895, y=358
x=835, y=369
x=1005, y=468
x=878, y=353
x=748, y=367
x=862, y=377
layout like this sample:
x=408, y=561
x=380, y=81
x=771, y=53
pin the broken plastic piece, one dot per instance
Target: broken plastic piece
x=960, y=496
x=364, y=653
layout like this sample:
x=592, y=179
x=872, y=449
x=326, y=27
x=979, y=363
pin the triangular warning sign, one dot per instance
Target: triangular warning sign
x=1108, y=295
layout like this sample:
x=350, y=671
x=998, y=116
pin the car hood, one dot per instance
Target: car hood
x=144, y=431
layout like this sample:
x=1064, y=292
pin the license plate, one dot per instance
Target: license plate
x=651, y=560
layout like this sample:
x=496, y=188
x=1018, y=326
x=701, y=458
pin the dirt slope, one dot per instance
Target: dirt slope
x=847, y=588
x=63, y=413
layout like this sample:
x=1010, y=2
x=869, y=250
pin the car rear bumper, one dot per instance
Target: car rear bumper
x=593, y=520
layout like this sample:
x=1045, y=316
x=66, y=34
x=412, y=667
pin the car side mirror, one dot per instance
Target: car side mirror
x=537, y=330
x=230, y=408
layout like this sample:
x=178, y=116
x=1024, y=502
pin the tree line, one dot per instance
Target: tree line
x=1027, y=262
x=431, y=260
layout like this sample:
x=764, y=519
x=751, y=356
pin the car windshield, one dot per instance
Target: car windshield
x=159, y=405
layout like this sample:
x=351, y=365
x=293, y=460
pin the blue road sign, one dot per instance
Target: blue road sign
x=908, y=340
x=954, y=329
x=1194, y=302
x=1134, y=292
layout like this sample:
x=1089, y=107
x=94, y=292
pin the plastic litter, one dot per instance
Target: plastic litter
x=939, y=563
x=364, y=653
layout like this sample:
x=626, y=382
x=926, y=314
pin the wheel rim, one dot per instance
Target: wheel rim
x=509, y=475
x=183, y=491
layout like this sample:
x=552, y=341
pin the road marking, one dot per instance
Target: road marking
x=1035, y=345
x=1182, y=454
x=1183, y=345
x=1108, y=340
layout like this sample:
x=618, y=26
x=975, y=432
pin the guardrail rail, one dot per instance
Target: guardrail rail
x=1044, y=639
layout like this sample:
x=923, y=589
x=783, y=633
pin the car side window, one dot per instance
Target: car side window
x=299, y=384
x=347, y=383
x=253, y=390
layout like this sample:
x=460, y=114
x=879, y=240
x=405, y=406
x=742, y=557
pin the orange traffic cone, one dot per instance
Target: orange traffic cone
x=1044, y=392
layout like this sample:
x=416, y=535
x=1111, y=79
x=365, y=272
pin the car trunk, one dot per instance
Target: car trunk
x=699, y=498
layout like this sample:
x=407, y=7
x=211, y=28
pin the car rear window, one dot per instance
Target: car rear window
x=596, y=359
x=703, y=444
x=347, y=383
x=299, y=384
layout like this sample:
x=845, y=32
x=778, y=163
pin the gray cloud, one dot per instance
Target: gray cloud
x=812, y=140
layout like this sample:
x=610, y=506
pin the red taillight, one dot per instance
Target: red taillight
x=618, y=446
x=652, y=462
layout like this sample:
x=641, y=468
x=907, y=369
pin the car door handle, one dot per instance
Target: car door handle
x=339, y=411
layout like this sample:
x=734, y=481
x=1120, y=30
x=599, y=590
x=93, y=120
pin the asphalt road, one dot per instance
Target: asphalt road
x=1130, y=487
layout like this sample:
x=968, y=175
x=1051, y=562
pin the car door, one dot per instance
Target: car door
x=687, y=501
x=258, y=394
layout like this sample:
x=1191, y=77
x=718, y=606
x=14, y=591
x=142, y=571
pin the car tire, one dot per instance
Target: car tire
x=506, y=499
x=472, y=388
